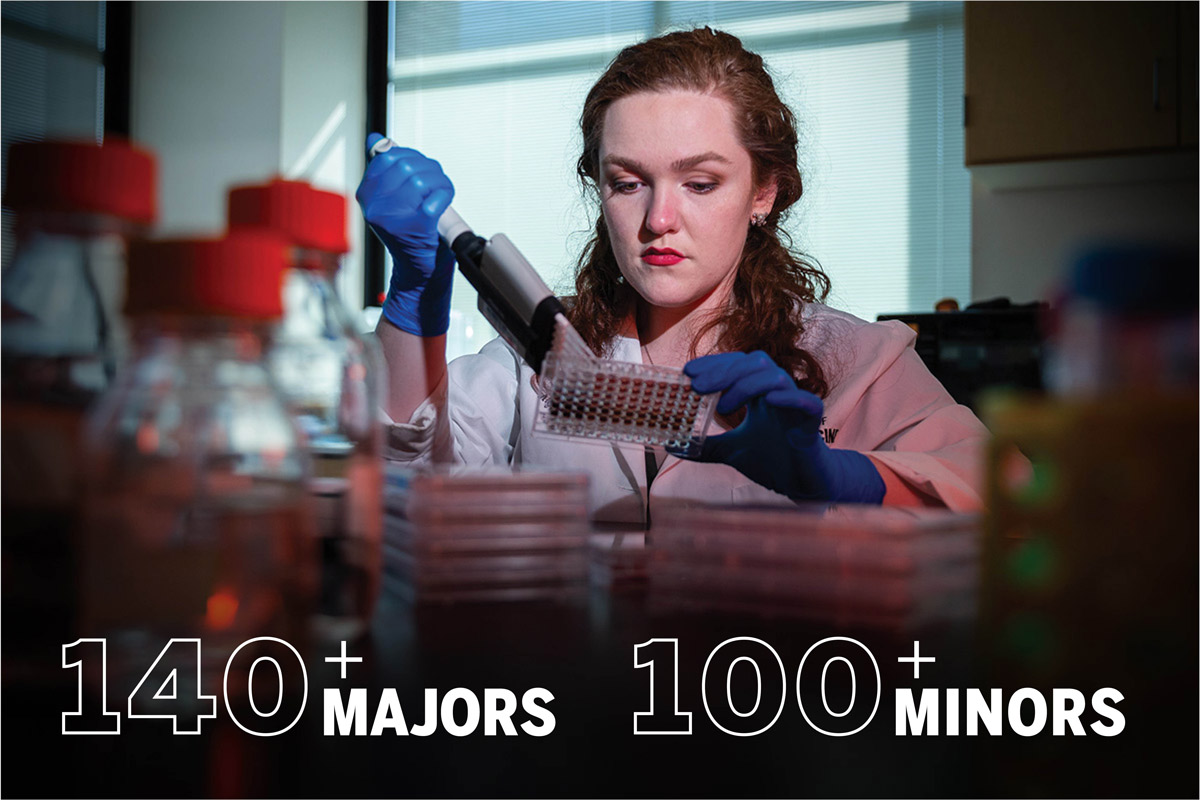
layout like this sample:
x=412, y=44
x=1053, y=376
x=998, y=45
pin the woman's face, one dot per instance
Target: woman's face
x=677, y=195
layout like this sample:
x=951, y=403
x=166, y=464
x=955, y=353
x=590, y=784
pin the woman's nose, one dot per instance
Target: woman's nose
x=662, y=216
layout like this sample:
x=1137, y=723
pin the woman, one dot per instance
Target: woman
x=692, y=156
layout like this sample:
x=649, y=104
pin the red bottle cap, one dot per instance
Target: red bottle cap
x=115, y=178
x=240, y=275
x=307, y=217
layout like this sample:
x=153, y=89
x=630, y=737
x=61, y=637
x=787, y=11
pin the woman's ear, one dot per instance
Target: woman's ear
x=764, y=197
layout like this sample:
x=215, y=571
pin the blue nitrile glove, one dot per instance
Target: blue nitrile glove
x=778, y=444
x=402, y=195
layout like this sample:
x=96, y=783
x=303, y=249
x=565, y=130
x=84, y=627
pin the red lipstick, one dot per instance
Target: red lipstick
x=661, y=257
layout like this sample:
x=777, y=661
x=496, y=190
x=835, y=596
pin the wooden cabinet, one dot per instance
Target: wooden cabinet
x=1189, y=82
x=1048, y=80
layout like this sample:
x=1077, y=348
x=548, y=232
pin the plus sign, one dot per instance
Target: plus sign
x=916, y=659
x=343, y=660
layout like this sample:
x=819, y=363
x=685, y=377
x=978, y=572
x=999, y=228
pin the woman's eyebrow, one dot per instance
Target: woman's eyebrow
x=693, y=161
x=679, y=165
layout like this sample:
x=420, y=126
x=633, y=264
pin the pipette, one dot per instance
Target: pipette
x=512, y=296
x=583, y=397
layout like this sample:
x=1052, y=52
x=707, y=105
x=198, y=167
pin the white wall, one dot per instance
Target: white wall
x=324, y=89
x=1022, y=240
x=230, y=93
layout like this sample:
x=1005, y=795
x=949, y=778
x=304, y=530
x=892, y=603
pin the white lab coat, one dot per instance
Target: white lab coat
x=882, y=401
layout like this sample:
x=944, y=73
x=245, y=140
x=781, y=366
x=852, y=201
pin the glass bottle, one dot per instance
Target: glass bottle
x=197, y=517
x=1126, y=323
x=76, y=204
x=332, y=376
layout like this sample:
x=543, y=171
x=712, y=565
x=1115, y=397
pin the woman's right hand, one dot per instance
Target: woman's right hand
x=402, y=196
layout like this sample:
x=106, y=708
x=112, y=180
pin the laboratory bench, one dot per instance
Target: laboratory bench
x=583, y=652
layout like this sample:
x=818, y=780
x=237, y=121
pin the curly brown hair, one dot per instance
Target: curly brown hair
x=773, y=281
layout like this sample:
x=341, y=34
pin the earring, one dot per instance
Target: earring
x=757, y=220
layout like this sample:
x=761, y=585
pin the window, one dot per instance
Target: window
x=493, y=90
x=66, y=75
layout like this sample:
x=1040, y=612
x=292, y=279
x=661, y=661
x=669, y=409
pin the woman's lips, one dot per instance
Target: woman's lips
x=661, y=258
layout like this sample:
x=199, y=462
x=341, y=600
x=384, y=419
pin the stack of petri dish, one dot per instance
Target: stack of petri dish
x=851, y=566
x=485, y=534
x=618, y=561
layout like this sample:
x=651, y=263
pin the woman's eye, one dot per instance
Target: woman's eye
x=625, y=187
x=701, y=188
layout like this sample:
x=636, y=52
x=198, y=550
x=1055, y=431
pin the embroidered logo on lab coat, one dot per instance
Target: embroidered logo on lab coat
x=829, y=434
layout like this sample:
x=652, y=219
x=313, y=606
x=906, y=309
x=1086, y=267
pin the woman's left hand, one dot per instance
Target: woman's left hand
x=779, y=444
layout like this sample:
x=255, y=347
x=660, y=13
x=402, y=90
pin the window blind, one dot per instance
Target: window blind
x=493, y=90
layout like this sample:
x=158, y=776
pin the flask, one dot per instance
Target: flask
x=196, y=512
x=76, y=204
x=332, y=377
